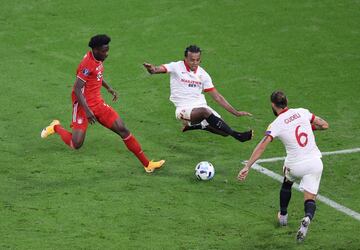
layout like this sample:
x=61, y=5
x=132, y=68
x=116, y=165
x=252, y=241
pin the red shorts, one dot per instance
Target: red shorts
x=104, y=114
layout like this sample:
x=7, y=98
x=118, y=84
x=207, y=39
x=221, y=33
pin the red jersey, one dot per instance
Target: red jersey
x=90, y=71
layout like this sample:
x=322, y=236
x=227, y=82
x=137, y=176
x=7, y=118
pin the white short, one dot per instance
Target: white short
x=183, y=114
x=309, y=171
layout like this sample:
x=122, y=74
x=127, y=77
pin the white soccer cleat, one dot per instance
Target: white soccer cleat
x=283, y=219
x=304, y=226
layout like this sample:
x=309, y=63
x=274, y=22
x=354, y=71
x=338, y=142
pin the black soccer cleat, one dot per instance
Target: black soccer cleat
x=244, y=136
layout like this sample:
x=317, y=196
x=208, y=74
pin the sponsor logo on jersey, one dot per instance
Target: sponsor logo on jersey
x=190, y=81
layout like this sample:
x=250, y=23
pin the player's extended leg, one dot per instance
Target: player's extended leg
x=215, y=131
x=285, y=196
x=133, y=145
x=309, y=208
x=192, y=127
x=202, y=113
x=207, y=128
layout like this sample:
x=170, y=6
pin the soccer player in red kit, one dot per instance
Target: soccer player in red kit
x=89, y=107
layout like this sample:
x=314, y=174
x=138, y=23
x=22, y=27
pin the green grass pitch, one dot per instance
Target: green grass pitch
x=99, y=197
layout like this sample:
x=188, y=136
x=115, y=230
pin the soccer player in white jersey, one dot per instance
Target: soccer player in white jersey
x=187, y=83
x=294, y=127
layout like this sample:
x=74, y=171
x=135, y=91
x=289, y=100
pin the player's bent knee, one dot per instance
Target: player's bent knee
x=309, y=196
x=124, y=132
x=326, y=126
x=77, y=145
x=119, y=128
x=205, y=112
x=78, y=138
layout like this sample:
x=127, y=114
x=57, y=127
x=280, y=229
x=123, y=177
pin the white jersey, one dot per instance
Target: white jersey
x=186, y=86
x=293, y=127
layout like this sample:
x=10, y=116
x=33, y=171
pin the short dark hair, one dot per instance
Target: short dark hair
x=279, y=99
x=192, y=49
x=99, y=40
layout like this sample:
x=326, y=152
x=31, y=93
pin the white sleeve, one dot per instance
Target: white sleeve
x=273, y=130
x=308, y=115
x=207, y=82
x=170, y=67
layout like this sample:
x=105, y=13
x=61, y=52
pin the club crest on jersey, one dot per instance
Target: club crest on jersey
x=79, y=120
x=99, y=76
x=86, y=72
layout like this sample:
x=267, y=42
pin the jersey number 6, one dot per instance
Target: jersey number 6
x=299, y=136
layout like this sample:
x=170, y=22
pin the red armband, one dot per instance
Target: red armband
x=313, y=127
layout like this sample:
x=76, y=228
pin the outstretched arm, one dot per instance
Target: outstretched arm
x=152, y=69
x=110, y=90
x=260, y=148
x=319, y=124
x=225, y=104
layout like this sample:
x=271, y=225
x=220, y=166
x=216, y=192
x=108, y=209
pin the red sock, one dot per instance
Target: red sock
x=65, y=135
x=133, y=145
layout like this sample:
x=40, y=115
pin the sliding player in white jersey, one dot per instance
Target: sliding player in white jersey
x=294, y=127
x=187, y=82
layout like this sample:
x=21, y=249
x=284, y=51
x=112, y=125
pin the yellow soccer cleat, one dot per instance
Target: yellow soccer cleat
x=154, y=165
x=49, y=130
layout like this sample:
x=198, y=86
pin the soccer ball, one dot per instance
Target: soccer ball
x=204, y=171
